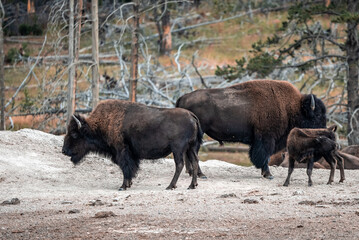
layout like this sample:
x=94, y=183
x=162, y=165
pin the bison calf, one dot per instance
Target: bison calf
x=128, y=132
x=309, y=145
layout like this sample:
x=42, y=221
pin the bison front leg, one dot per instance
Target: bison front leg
x=309, y=171
x=260, y=152
x=178, y=157
x=129, y=167
x=290, y=170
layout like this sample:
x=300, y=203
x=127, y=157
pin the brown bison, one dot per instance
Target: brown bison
x=128, y=132
x=310, y=145
x=349, y=154
x=260, y=113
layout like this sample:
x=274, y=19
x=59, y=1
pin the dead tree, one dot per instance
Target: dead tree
x=164, y=28
x=71, y=86
x=2, y=80
x=134, y=51
x=95, y=54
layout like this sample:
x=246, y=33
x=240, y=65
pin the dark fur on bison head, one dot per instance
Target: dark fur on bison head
x=80, y=140
x=313, y=112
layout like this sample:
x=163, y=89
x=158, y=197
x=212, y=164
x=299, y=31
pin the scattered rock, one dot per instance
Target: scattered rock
x=250, y=201
x=298, y=192
x=357, y=213
x=321, y=206
x=300, y=226
x=306, y=202
x=96, y=203
x=13, y=201
x=228, y=195
x=66, y=202
x=72, y=211
x=104, y=214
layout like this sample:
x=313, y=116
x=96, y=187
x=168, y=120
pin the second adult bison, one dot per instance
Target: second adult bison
x=260, y=113
x=128, y=132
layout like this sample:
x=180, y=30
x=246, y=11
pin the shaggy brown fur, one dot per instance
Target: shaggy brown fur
x=129, y=132
x=260, y=113
x=309, y=145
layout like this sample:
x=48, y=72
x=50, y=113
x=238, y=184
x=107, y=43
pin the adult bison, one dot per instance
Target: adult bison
x=128, y=132
x=260, y=113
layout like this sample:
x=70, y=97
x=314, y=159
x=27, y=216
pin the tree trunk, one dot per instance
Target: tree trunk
x=77, y=44
x=134, y=52
x=166, y=44
x=2, y=80
x=352, y=51
x=70, y=85
x=95, y=54
x=30, y=6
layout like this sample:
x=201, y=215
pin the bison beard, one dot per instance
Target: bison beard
x=259, y=113
x=128, y=132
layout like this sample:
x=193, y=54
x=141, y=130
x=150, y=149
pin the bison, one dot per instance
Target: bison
x=309, y=145
x=260, y=113
x=128, y=132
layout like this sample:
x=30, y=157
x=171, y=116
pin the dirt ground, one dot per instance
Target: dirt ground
x=59, y=201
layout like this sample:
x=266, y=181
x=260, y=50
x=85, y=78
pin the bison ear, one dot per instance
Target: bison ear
x=333, y=128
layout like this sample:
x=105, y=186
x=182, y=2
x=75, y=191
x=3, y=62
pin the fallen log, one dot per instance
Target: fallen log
x=228, y=149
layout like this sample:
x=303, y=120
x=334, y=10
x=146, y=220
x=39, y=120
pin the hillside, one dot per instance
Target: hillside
x=59, y=201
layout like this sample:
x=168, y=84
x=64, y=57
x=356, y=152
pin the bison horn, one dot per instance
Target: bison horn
x=79, y=125
x=312, y=102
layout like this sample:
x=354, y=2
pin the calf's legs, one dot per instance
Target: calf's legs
x=333, y=163
x=290, y=171
x=309, y=171
x=340, y=162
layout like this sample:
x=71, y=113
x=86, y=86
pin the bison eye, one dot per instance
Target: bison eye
x=74, y=135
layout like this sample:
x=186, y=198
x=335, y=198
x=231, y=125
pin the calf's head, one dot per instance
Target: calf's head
x=76, y=144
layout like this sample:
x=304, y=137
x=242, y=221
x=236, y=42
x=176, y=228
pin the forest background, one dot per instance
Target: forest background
x=59, y=56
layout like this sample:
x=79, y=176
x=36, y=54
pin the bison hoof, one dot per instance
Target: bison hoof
x=341, y=180
x=310, y=184
x=268, y=175
x=202, y=176
x=171, y=187
x=329, y=183
x=121, y=189
x=285, y=184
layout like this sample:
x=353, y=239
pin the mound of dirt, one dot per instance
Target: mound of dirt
x=42, y=195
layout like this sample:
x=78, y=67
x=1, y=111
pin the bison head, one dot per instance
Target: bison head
x=313, y=112
x=76, y=144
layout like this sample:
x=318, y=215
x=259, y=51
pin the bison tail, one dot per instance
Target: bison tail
x=199, y=130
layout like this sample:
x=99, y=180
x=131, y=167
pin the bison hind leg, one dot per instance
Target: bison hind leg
x=193, y=158
x=178, y=158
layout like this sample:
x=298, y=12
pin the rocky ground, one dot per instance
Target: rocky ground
x=42, y=196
